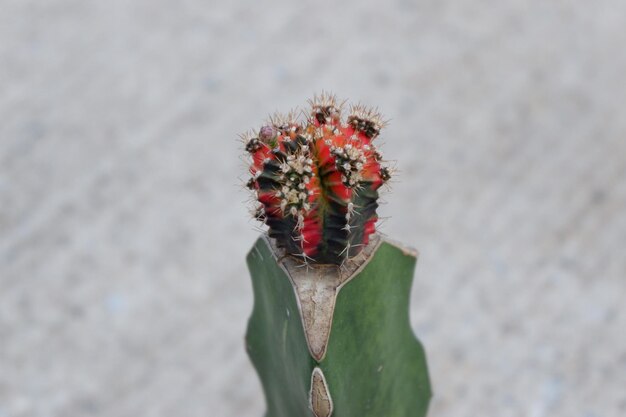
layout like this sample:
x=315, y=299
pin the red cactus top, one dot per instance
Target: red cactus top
x=317, y=182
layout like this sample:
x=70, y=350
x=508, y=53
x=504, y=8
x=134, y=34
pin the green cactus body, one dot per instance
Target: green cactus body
x=317, y=182
x=371, y=365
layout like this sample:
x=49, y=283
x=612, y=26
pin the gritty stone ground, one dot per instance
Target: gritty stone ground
x=123, y=289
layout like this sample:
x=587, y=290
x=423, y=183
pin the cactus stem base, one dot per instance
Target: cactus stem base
x=330, y=341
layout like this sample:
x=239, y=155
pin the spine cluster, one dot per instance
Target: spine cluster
x=316, y=182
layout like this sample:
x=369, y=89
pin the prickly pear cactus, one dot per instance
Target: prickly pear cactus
x=317, y=181
x=329, y=334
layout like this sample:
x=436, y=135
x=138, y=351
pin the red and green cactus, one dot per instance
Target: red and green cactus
x=317, y=181
x=332, y=339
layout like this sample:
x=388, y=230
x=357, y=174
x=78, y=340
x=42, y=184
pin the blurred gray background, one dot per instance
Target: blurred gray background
x=123, y=227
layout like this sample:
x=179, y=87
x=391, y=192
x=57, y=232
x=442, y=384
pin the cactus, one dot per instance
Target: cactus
x=329, y=334
x=317, y=182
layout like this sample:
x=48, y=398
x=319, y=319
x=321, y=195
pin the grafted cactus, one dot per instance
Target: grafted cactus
x=317, y=181
x=332, y=339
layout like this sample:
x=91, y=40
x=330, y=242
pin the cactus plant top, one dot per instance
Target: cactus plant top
x=316, y=180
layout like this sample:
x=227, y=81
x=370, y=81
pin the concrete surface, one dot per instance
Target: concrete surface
x=123, y=289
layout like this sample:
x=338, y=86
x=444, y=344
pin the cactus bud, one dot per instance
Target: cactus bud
x=267, y=134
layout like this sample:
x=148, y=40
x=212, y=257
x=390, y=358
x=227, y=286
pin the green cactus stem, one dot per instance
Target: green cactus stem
x=329, y=341
x=316, y=181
